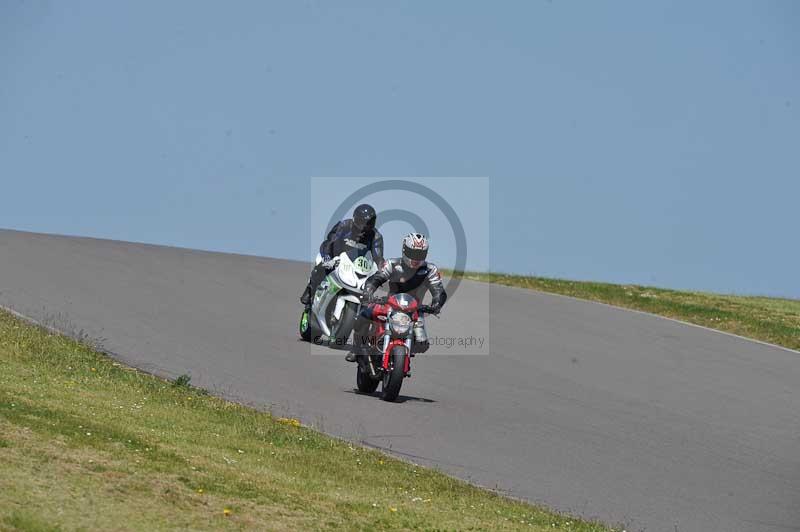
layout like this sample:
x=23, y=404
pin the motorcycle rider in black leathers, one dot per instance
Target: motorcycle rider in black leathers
x=410, y=274
x=356, y=236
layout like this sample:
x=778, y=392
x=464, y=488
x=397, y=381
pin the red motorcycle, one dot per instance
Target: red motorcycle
x=391, y=344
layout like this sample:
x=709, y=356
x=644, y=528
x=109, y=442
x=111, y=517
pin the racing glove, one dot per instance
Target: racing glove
x=330, y=264
x=366, y=297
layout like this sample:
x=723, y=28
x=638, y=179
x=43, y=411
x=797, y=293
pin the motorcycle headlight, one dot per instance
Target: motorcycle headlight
x=400, y=322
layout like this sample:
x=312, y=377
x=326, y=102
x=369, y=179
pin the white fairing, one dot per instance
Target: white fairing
x=351, y=274
x=354, y=273
x=340, y=301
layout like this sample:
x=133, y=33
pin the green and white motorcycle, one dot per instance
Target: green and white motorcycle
x=336, y=302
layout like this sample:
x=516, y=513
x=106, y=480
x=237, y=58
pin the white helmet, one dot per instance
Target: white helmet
x=415, y=250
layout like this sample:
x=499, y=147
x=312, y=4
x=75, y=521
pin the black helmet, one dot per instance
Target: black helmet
x=364, y=217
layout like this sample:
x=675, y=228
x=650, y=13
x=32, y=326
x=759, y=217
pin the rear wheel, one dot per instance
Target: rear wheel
x=305, y=326
x=393, y=378
x=365, y=383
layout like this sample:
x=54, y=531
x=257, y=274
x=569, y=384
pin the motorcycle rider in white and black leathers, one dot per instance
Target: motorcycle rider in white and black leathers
x=409, y=274
x=356, y=236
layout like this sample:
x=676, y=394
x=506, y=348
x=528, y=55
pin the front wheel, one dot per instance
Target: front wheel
x=343, y=328
x=393, y=378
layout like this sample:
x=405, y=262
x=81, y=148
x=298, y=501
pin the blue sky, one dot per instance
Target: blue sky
x=654, y=143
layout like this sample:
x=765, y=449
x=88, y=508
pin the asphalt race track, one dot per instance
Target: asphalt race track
x=589, y=409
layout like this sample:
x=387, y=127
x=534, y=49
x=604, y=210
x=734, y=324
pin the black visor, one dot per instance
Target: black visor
x=364, y=223
x=415, y=254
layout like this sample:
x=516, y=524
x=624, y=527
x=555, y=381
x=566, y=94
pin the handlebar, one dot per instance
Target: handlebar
x=425, y=309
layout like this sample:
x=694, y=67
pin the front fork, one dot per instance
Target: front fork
x=388, y=343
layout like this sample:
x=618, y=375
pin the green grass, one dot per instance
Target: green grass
x=771, y=320
x=86, y=443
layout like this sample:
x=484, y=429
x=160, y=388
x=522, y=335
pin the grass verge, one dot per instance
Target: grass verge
x=772, y=320
x=86, y=443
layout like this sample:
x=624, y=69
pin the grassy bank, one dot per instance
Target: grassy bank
x=86, y=443
x=771, y=320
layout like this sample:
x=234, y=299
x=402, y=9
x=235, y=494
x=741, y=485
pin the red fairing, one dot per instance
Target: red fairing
x=404, y=303
x=379, y=311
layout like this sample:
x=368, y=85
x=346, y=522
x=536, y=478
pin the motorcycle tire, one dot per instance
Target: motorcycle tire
x=393, y=379
x=305, y=326
x=341, y=332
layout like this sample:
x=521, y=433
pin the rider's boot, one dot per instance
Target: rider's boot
x=317, y=275
x=356, y=351
x=305, y=299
